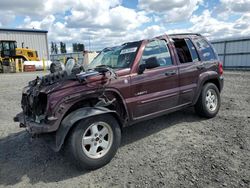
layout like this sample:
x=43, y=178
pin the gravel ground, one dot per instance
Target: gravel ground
x=175, y=150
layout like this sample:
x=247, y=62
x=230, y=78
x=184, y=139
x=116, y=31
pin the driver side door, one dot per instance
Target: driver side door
x=155, y=90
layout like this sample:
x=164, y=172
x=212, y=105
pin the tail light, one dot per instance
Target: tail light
x=220, y=68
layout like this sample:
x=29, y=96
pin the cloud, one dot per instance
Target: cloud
x=45, y=7
x=160, y=5
x=210, y=26
x=171, y=10
x=45, y=23
x=106, y=16
x=101, y=37
x=239, y=6
x=108, y=23
x=22, y=7
x=213, y=28
x=6, y=17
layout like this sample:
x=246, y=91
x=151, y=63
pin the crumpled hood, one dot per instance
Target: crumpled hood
x=60, y=81
x=59, y=86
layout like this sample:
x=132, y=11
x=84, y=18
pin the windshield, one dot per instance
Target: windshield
x=116, y=57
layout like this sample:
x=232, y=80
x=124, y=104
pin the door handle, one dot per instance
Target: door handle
x=200, y=67
x=170, y=73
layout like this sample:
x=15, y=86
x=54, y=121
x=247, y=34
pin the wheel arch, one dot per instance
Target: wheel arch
x=84, y=104
x=71, y=120
x=208, y=77
x=92, y=99
x=215, y=81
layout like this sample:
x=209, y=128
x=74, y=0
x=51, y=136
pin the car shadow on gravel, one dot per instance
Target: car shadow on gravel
x=140, y=130
x=24, y=158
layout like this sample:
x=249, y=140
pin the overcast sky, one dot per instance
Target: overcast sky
x=111, y=22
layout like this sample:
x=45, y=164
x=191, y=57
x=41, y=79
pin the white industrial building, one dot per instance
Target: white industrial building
x=31, y=38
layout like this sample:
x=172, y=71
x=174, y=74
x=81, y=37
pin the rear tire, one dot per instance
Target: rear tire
x=209, y=101
x=93, y=142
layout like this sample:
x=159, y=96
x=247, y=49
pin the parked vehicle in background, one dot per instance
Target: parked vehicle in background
x=86, y=111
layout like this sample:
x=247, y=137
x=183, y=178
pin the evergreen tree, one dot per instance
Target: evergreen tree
x=56, y=48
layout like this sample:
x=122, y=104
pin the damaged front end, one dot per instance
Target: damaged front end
x=46, y=99
x=35, y=116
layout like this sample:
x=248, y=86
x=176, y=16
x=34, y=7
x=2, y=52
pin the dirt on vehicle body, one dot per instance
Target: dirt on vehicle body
x=123, y=85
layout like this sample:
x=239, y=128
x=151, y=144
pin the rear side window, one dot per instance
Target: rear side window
x=158, y=49
x=192, y=50
x=183, y=50
x=207, y=52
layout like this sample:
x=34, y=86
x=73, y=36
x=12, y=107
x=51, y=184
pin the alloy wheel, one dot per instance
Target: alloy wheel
x=97, y=140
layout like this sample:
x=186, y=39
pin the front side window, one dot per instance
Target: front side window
x=207, y=52
x=158, y=49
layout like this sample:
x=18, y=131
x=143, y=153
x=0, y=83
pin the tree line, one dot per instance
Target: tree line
x=54, y=48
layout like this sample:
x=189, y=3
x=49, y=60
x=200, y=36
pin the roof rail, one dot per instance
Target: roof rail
x=185, y=34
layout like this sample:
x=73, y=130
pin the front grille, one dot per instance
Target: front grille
x=39, y=104
x=34, y=105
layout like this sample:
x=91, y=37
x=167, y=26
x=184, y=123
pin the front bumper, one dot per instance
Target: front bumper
x=31, y=126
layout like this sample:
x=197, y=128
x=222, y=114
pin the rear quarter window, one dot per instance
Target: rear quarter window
x=207, y=52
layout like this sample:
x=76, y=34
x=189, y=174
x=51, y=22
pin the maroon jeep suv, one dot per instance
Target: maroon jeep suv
x=84, y=109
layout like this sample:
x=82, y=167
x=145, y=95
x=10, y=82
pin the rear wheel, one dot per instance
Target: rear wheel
x=94, y=141
x=209, y=101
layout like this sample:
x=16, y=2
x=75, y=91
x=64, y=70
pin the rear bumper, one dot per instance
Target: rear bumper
x=31, y=126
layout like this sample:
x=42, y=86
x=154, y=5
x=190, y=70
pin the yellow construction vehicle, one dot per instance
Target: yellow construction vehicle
x=9, y=52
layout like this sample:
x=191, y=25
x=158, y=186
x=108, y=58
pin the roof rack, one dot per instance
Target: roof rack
x=185, y=34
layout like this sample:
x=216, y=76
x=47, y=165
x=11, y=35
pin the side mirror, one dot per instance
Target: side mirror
x=151, y=63
x=142, y=68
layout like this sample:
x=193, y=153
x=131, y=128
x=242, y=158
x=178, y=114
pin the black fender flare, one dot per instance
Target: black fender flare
x=69, y=121
x=202, y=79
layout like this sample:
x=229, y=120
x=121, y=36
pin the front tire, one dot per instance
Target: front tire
x=209, y=101
x=94, y=141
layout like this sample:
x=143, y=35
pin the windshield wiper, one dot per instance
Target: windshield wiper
x=100, y=66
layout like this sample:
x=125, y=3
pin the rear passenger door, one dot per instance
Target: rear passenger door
x=189, y=66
